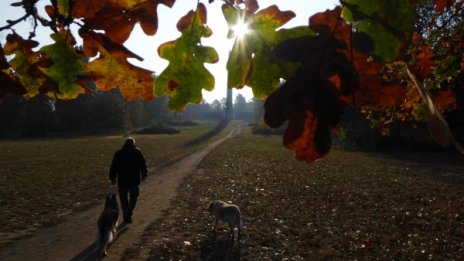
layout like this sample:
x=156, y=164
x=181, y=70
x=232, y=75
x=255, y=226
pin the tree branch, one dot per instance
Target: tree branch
x=14, y=22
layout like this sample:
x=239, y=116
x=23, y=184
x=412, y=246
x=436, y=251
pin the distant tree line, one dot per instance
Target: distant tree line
x=100, y=113
x=252, y=110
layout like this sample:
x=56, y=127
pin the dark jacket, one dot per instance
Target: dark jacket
x=128, y=166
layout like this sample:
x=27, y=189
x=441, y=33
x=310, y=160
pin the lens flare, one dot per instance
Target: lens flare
x=241, y=29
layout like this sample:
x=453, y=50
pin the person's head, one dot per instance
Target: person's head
x=129, y=142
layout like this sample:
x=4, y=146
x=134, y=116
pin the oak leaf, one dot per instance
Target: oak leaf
x=250, y=62
x=112, y=70
x=118, y=18
x=389, y=23
x=310, y=99
x=68, y=66
x=186, y=75
x=26, y=65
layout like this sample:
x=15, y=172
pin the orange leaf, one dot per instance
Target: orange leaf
x=330, y=18
x=111, y=69
x=146, y=14
x=307, y=137
x=86, y=8
x=424, y=64
x=114, y=20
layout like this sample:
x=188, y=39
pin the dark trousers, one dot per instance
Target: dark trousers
x=128, y=197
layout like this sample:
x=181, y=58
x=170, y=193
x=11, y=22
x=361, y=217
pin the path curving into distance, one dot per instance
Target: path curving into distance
x=74, y=238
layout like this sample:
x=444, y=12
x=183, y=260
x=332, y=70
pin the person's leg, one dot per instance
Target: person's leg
x=124, y=202
x=133, y=195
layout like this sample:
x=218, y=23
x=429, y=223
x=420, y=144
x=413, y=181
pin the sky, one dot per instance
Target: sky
x=146, y=46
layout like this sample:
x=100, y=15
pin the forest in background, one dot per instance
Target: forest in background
x=105, y=112
x=100, y=113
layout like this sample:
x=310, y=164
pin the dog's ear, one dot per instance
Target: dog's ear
x=210, y=207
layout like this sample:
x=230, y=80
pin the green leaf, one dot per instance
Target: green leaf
x=238, y=64
x=266, y=75
x=67, y=65
x=250, y=62
x=186, y=75
x=389, y=23
x=63, y=7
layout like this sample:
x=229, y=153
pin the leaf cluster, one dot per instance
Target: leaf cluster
x=364, y=54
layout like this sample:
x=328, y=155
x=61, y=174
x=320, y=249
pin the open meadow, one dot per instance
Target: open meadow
x=44, y=180
x=348, y=206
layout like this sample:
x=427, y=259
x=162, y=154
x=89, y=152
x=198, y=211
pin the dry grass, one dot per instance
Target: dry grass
x=348, y=206
x=42, y=180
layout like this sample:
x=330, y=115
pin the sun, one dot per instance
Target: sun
x=241, y=29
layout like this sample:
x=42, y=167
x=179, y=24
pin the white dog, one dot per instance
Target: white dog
x=228, y=213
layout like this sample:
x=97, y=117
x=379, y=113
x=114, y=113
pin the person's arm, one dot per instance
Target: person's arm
x=113, y=168
x=143, y=167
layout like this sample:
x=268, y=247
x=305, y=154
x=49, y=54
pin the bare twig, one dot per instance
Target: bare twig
x=14, y=22
x=437, y=125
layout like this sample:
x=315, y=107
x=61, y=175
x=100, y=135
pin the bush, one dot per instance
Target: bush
x=156, y=129
x=183, y=123
x=263, y=129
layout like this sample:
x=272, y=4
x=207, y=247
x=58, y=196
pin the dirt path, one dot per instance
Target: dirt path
x=74, y=238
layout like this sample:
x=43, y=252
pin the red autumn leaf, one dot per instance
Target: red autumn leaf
x=377, y=93
x=445, y=100
x=423, y=63
x=310, y=100
x=308, y=131
x=313, y=140
x=440, y=5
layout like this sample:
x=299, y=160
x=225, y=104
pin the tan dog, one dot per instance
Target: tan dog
x=227, y=213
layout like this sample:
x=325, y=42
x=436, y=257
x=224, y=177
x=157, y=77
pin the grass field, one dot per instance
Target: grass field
x=351, y=205
x=42, y=180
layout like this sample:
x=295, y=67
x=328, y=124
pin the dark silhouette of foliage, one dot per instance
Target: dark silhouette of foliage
x=395, y=59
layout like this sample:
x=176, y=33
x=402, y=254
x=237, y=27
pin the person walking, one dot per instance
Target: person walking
x=128, y=168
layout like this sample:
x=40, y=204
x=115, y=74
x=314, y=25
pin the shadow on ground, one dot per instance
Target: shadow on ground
x=213, y=249
x=90, y=252
x=447, y=166
x=221, y=125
